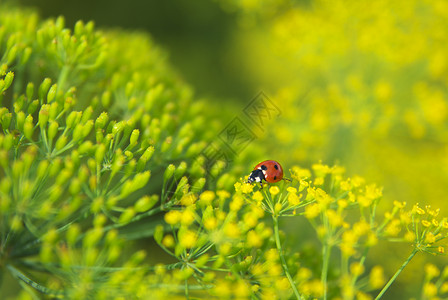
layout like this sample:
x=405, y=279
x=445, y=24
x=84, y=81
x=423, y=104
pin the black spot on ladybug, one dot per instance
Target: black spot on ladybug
x=276, y=167
x=263, y=167
x=275, y=177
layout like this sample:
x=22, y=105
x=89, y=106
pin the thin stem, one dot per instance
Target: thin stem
x=326, y=251
x=282, y=258
x=389, y=283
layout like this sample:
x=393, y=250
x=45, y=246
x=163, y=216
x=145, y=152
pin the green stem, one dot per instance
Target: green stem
x=282, y=258
x=326, y=251
x=389, y=283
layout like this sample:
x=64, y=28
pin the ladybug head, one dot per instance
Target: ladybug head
x=256, y=176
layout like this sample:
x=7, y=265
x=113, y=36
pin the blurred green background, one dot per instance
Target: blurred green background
x=363, y=84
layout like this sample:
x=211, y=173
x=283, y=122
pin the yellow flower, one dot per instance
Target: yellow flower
x=294, y=199
x=253, y=239
x=188, y=199
x=430, y=238
x=376, y=278
x=210, y=223
x=356, y=268
x=236, y=203
x=258, y=196
x=291, y=190
x=207, y=197
x=173, y=217
x=188, y=239
x=187, y=217
x=312, y=211
x=232, y=230
x=168, y=241
x=274, y=190
x=431, y=271
x=246, y=188
x=426, y=223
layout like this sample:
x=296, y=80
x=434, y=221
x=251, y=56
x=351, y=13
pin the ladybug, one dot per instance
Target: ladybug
x=269, y=170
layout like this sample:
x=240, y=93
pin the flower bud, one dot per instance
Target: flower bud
x=198, y=185
x=106, y=99
x=7, y=81
x=44, y=115
x=51, y=95
x=73, y=233
x=169, y=172
x=32, y=107
x=85, y=147
x=180, y=170
x=99, y=153
x=28, y=127
x=29, y=91
x=73, y=119
x=146, y=203
x=53, y=130
x=101, y=121
x=20, y=120
x=118, y=127
x=127, y=215
x=43, y=88
x=53, y=111
x=87, y=113
x=61, y=142
x=134, y=137
x=6, y=120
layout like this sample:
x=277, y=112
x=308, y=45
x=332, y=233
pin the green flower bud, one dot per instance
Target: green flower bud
x=7, y=81
x=16, y=223
x=106, y=99
x=55, y=167
x=73, y=233
x=28, y=127
x=4, y=162
x=53, y=130
x=75, y=186
x=87, y=128
x=51, y=95
x=158, y=234
x=92, y=237
x=8, y=142
x=26, y=55
x=91, y=163
x=117, y=163
x=118, y=127
x=127, y=215
x=129, y=89
x=5, y=185
x=32, y=107
x=63, y=176
x=99, y=153
x=166, y=144
x=85, y=147
x=130, y=167
x=44, y=115
x=53, y=111
x=69, y=103
x=20, y=120
x=6, y=120
x=29, y=91
x=134, y=137
x=145, y=203
x=99, y=220
x=169, y=172
x=147, y=154
x=78, y=132
x=87, y=114
x=99, y=137
x=43, y=88
x=42, y=169
x=146, y=120
x=101, y=121
x=180, y=170
x=198, y=185
x=83, y=173
x=11, y=55
x=61, y=142
x=73, y=119
x=128, y=154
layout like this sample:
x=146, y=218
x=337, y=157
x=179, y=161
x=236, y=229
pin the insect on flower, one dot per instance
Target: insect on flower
x=269, y=170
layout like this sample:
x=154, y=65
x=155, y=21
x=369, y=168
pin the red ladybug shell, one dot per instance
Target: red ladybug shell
x=272, y=170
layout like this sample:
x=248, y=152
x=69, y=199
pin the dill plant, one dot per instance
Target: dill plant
x=89, y=123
